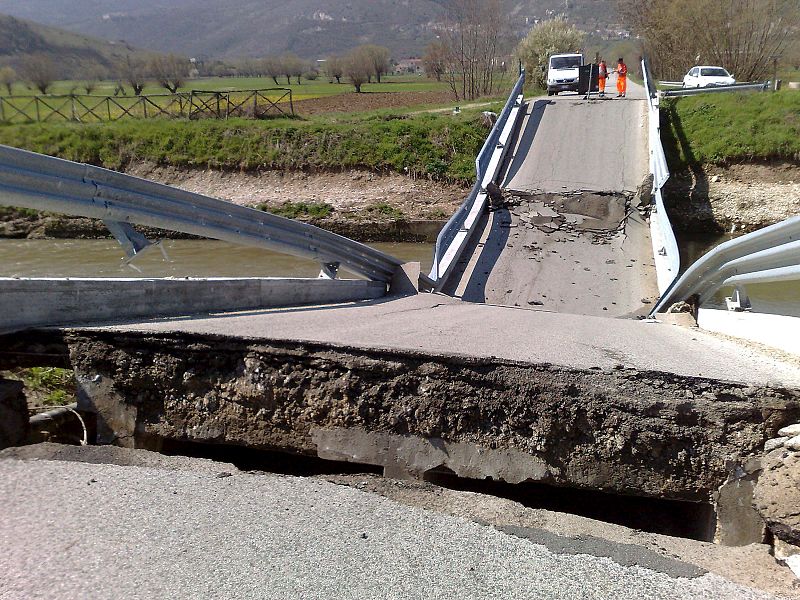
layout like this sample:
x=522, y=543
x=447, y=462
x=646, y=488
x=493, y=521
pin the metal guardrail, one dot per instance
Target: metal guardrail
x=769, y=254
x=457, y=232
x=665, y=246
x=41, y=182
x=762, y=86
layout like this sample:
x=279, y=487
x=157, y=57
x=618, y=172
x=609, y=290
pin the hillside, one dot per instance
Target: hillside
x=72, y=54
x=310, y=28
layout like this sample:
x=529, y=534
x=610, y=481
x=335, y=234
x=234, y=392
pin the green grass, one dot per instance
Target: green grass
x=440, y=146
x=384, y=210
x=299, y=210
x=721, y=129
x=51, y=386
x=306, y=89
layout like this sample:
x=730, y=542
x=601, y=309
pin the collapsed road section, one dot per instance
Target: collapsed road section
x=623, y=431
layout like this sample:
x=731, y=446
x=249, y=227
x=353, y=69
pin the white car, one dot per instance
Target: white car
x=706, y=76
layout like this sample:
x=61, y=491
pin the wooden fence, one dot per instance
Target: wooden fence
x=253, y=104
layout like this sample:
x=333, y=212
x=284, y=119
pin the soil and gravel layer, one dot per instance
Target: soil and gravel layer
x=366, y=206
x=738, y=198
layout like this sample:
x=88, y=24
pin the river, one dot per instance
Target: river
x=185, y=258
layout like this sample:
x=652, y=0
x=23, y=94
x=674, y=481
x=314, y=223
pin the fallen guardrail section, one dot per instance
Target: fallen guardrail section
x=665, y=246
x=39, y=182
x=458, y=231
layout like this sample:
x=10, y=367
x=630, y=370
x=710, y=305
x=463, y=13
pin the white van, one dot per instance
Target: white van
x=562, y=73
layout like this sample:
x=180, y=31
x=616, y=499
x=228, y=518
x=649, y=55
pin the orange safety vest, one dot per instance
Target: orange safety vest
x=622, y=70
x=603, y=69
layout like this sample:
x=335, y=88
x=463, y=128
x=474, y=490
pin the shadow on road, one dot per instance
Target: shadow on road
x=475, y=291
x=523, y=140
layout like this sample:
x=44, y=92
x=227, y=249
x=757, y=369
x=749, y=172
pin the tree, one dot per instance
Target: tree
x=134, y=71
x=271, y=67
x=170, y=71
x=435, y=60
x=334, y=68
x=472, y=41
x=379, y=59
x=8, y=77
x=744, y=36
x=39, y=71
x=357, y=67
x=548, y=37
x=312, y=74
x=93, y=76
x=293, y=66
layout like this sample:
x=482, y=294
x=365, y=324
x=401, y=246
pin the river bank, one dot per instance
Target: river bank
x=362, y=205
x=737, y=198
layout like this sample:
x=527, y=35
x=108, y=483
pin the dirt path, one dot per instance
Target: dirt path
x=352, y=102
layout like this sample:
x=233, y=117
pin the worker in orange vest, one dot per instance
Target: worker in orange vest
x=622, y=78
x=601, y=77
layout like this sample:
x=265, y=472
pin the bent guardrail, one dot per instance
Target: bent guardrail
x=458, y=231
x=769, y=254
x=41, y=182
x=665, y=246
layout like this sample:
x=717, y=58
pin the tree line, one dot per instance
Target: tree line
x=359, y=66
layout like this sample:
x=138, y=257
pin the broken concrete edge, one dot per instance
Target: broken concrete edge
x=622, y=431
x=38, y=302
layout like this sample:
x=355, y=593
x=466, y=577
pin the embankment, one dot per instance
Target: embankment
x=375, y=177
x=735, y=160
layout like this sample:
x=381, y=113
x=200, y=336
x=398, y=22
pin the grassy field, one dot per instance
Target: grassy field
x=439, y=146
x=306, y=89
x=728, y=128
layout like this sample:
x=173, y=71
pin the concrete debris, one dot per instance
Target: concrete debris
x=774, y=444
x=790, y=430
x=777, y=494
x=793, y=443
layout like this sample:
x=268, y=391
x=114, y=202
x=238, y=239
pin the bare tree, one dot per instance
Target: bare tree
x=134, y=71
x=744, y=36
x=293, y=66
x=435, y=60
x=472, y=40
x=546, y=38
x=93, y=76
x=334, y=68
x=379, y=59
x=271, y=67
x=8, y=77
x=170, y=71
x=38, y=71
x=358, y=67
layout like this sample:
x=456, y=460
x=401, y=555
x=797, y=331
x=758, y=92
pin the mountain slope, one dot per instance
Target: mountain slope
x=72, y=54
x=310, y=28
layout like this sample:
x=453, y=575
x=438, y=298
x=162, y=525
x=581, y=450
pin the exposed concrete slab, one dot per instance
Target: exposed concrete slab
x=438, y=325
x=777, y=494
x=51, y=301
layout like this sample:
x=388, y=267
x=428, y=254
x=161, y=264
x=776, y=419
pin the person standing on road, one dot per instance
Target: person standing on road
x=622, y=78
x=601, y=78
